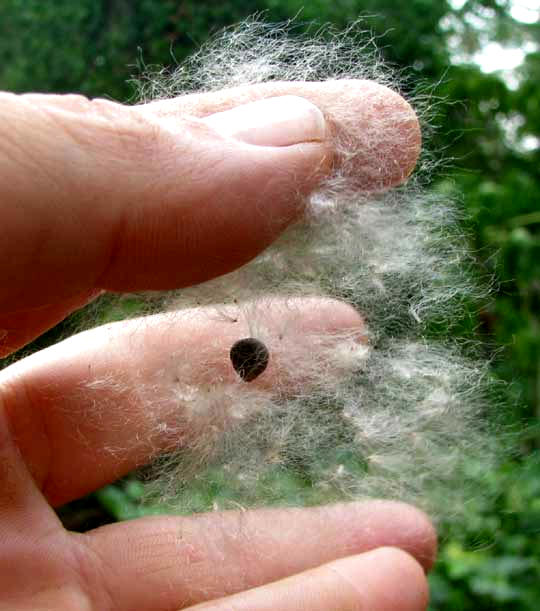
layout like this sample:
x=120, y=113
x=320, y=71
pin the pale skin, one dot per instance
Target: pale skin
x=97, y=196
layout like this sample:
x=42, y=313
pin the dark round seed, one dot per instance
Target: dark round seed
x=249, y=357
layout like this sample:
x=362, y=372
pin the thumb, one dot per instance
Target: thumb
x=97, y=195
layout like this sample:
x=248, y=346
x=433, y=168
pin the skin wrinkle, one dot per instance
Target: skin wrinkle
x=33, y=422
x=169, y=555
x=12, y=143
x=96, y=571
x=116, y=239
x=357, y=591
x=132, y=136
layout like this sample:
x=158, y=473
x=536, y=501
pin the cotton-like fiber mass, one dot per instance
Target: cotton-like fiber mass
x=394, y=406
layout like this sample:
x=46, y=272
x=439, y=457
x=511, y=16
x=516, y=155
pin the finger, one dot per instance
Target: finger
x=171, y=562
x=94, y=407
x=385, y=579
x=380, y=128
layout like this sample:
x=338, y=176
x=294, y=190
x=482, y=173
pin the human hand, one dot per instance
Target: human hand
x=97, y=196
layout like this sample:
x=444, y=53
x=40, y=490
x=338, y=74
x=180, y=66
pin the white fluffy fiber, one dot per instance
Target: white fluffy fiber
x=402, y=416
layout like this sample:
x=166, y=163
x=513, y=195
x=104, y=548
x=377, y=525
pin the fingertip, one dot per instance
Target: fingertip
x=403, y=130
x=377, y=133
x=385, y=579
x=323, y=315
x=376, y=523
x=421, y=542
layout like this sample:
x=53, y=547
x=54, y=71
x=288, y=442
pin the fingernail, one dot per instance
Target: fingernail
x=280, y=121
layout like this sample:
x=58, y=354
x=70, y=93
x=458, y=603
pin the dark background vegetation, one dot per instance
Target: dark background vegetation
x=488, y=127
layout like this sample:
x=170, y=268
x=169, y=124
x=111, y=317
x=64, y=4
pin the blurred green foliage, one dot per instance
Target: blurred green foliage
x=495, y=563
x=488, y=126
